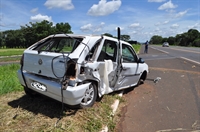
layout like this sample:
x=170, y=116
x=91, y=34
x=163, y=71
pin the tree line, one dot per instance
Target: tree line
x=189, y=38
x=33, y=32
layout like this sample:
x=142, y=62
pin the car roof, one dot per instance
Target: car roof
x=90, y=36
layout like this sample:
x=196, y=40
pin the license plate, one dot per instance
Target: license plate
x=38, y=86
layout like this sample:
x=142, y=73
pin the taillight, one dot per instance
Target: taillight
x=22, y=60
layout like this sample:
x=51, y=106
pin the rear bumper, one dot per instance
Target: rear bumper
x=71, y=96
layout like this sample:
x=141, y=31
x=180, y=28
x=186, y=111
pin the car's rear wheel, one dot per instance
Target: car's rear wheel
x=89, y=97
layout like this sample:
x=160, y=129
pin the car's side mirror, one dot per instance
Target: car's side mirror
x=140, y=60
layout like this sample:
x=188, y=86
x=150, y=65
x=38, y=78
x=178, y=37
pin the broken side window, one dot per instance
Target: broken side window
x=108, y=51
x=92, y=53
x=128, y=54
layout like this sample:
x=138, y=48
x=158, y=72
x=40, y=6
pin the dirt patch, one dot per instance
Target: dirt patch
x=171, y=104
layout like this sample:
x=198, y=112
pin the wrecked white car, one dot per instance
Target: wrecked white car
x=77, y=69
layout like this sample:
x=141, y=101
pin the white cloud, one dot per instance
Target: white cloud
x=174, y=26
x=157, y=29
x=157, y=24
x=86, y=27
x=39, y=18
x=104, y=8
x=64, y=4
x=167, y=5
x=165, y=22
x=134, y=32
x=195, y=26
x=92, y=28
x=1, y=16
x=34, y=10
x=180, y=14
x=156, y=0
x=134, y=25
x=102, y=23
x=161, y=23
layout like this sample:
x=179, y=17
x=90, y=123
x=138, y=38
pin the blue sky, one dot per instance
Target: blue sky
x=141, y=19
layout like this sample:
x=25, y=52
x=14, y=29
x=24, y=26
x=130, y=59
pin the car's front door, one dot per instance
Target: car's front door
x=130, y=72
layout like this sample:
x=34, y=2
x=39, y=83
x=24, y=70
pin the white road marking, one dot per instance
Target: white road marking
x=161, y=58
x=160, y=50
x=198, y=52
x=190, y=60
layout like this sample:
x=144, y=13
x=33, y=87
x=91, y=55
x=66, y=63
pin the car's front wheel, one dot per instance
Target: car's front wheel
x=142, y=78
x=89, y=97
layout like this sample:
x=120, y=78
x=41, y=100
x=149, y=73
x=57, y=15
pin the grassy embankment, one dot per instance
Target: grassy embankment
x=136, y=47
x=10, y=54
x=8, y=79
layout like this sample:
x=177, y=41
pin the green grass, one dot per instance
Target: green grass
x=10, y=52
x=137, y=47
x=8, y=79
x=7, y=59
x=100, y=115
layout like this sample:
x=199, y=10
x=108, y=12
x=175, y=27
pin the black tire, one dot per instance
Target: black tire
x=142, y=78
x=90, y=96
x=140, y=81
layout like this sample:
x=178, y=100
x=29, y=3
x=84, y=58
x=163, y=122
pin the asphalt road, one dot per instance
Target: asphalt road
x=172, y=104
x=193, y=54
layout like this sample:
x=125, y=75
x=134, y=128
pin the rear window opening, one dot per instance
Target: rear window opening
x=59, y=45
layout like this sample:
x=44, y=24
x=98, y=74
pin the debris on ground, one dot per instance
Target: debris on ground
x=157, y=79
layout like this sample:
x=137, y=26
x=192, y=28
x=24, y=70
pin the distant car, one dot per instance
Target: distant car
x=165, y=44
x=76, y=69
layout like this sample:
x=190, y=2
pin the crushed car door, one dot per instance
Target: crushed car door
x=107, y=63
x=130, y=72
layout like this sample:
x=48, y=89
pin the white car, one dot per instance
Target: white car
x=165, y=44
x=77, y=69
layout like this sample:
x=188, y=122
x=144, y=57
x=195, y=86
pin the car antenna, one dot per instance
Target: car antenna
x=118, y=33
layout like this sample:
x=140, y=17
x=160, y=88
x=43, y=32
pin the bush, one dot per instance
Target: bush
x=196, y=43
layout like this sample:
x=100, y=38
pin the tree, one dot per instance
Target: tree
x=192, y=35
x=171, y=40
x=36, y=31
x=63, y=28
x=1, y=39
x=184, y=40
x=125, y=37
x=156, y=39
x=196, y=42
x=164, y=40
x=107, y=34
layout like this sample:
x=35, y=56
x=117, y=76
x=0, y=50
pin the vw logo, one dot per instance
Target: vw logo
x=40, y=61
